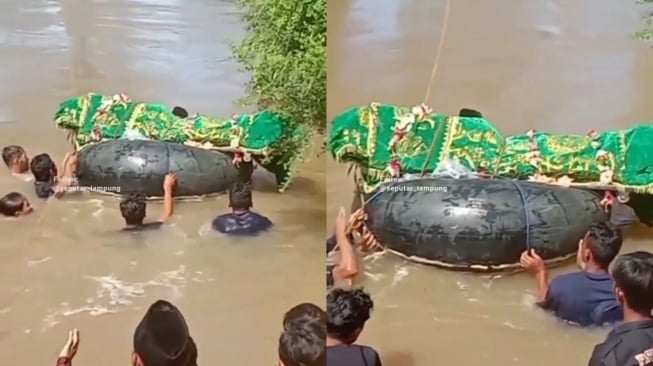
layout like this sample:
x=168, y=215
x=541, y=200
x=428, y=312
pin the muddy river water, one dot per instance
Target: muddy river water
x=65, y=266
x=562, y=66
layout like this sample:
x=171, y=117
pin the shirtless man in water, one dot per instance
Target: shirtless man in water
x=342, y=257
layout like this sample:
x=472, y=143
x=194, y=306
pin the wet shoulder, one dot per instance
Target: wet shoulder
x=578, y=279
x=264, y=221
x=246, y=223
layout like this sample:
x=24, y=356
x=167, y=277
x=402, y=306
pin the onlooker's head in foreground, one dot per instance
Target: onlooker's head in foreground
x=240, y=197
x=599, y=247
x=633, y=281
x=304, y=312
x=347, y=312
x=133, y=210
x=43, y=168
x=162, y=338
x=14, y=204
x=303, y=340
x=15, y=159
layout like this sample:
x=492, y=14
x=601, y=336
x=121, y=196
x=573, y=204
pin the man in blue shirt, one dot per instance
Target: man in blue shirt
x=241, y=221
x=584, y=298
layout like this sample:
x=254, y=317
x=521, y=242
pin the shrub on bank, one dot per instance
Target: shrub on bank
x=285, y=51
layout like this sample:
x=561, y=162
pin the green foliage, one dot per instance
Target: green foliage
x=285, y=51
x=646, y=33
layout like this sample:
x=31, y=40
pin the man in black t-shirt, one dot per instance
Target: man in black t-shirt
x=241, y=221
x=133, y=208
x=630, y=343
x=347, y=312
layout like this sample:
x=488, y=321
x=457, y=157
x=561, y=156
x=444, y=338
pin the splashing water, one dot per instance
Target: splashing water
x=114, y=294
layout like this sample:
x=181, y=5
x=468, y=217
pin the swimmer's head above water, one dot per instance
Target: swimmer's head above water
x=240, y=197
x=43, y=168
x=14, y=204
x=15, y=159
x=133, y=209
x=599, y=247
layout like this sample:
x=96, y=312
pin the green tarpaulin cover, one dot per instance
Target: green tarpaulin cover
x=377, y=138
x=269, y=136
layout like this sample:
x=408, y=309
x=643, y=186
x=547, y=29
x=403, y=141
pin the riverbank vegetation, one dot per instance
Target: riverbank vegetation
x=284, y=50
x=646, y=33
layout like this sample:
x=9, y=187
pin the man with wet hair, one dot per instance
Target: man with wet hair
x=46, y=181
x=347, y=313
x=304, y=332
x=585, y=298
x=15, y=159
x=14, y=204
x=45, y=175
x=133, y=208
x=241, y=221
x=631, y=342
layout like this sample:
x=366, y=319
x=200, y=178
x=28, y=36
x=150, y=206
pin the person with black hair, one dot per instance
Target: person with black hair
x=14, y=204
x=15, y=159
x=584, y=298
x=304, y=332
x=241, y=221
x=631, y=342
x=303, y=312
x=347, y=313
x=161, y=338
x=47, y=182
x=133, y=208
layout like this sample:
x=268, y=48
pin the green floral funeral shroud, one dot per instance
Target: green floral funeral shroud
x=382, y=139
x=268, y=136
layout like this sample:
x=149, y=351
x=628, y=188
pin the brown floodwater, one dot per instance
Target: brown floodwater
x=66, y=266
x=562, y=66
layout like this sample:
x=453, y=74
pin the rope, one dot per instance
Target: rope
x=438, y=51
x=429, y=87
x=527, y=213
